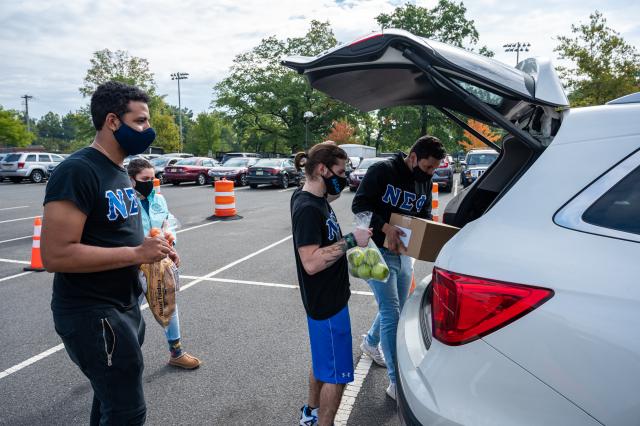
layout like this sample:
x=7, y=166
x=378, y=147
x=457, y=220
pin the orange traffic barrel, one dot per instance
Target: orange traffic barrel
x=224, y=199
x=435, y=203
x=156, y=185
x=36, y=258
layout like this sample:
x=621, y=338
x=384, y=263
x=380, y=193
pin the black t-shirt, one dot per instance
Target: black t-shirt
x=101, y=190
x=314, y=223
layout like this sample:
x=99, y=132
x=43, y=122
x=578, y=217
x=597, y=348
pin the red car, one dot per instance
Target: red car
x=235, y=168
x=193, y=169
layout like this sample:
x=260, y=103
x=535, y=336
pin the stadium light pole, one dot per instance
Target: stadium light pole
x=180, y=76
x=517, y=47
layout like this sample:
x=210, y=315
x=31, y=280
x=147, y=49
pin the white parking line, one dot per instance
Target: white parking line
x=16, y=275
x=194, y=227
x=20, y=262
x=13, y=208
x=55, y=349
x=16, y=239
x=16, y=220
x=455, y=188
x=352, y=390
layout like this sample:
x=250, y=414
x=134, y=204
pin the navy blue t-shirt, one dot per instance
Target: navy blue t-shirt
x=102, y=190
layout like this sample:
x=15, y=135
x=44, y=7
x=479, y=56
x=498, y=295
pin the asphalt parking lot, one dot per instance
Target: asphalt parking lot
x=240, y=313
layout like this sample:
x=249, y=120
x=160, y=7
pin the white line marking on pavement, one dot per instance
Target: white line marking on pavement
x=21, y=262
x=352, y=390
x=16, y=220
x=55, y=349
x=193, y=227
x=232, y=264
x=455, y=188
x=288, y=189
x=228, y=280
x=16, y=276
x=16, y=239
x=13, y=208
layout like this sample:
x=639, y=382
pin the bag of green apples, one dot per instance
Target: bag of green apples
x=367, y=262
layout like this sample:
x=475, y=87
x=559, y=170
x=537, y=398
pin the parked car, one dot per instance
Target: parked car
x=235, y=168
x=27, y=165
x=273, y=171
x=192, y=169
x=532, y=308
x=161, y=163
x=443, y=175
x=358, y=173
x=178, y=154
x=56, y=160
x=476, y=162
x=229, y=155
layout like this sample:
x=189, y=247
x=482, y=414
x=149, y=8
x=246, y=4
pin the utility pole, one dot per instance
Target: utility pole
x=517, y=47
x=26, y=109
x=179, y=76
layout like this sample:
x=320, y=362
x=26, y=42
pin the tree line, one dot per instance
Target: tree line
x=260, y=105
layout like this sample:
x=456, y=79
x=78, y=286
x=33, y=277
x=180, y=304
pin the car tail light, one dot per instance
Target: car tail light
x=21, y=165
x=444, y=165
x=466, y=308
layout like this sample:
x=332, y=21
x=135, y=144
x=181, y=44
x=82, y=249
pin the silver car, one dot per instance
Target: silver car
x=28, y=165
x=532, y=314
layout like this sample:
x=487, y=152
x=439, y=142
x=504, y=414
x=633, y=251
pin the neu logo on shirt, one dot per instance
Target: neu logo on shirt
x=118, y=206
x=332, y=227
x=409, y=200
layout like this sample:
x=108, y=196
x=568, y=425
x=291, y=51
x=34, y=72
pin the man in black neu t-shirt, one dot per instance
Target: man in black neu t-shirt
x=320, y=249
x=92, y=239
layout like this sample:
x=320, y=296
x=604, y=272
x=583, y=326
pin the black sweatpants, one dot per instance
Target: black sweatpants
x=105, y=344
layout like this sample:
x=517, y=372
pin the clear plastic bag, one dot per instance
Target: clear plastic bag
x=367, y=262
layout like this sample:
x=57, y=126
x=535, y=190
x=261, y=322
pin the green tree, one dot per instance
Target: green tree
x=119, y=66
x=13, y=131
x=78, y=126
x=50, y=131
x=267, y=101
x=606, y=67
x=205, y=134
x=167, y=135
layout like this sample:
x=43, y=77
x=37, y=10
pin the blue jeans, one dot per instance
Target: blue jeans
x=390, y=297
x=172, y=331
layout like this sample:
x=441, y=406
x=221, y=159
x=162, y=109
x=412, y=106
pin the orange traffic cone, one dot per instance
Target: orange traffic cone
x=156, y=185
x=36, y=259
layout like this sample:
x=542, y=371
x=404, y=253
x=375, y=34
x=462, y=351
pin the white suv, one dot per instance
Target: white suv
x=28, y=165
x=532, y=315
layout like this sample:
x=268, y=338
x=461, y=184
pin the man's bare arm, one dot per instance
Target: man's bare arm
x=62, y=250
x=316, y=259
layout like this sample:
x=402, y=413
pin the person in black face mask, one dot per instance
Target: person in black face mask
x=321, y=261
x=155, y=214
x=402, y=185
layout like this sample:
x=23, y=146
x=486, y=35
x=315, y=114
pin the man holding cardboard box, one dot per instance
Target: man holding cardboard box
x=400, y=185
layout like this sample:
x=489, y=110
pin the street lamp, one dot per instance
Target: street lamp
x=307, y=116
x=517, y=47
x=180, y=76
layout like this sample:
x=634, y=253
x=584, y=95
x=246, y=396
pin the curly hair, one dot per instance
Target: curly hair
x=113, y=97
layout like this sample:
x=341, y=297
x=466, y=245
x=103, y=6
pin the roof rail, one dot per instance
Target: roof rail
x=632, y=98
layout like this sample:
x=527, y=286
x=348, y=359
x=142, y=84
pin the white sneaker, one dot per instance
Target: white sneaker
x=373, y=352
x=391, y=391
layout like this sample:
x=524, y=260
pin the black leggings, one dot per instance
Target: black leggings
x=105, y=343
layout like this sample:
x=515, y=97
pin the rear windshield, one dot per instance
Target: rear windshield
x=266, y=162
x=236, y=162
x=481, y=159
x=368, y=162
x=187, y=162
x=12, y=157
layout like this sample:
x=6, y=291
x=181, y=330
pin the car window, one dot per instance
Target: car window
x=12, y=157
x=44, y=158
x=57, y=158
x=269, y=162
x=481, y=159
x=236, y=162
x=187, y=162
x=618, y=208
x=207, y=163
x=30, y=158
x=364, y=164
x=158, y=161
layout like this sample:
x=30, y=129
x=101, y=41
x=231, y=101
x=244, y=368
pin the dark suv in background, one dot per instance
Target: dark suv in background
x=475, y=164
x=443, y=175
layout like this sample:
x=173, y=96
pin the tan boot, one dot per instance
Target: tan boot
x=185, y=361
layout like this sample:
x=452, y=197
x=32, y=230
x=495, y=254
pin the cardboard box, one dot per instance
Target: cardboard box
x=425, y=238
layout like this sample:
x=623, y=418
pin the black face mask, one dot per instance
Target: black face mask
x=420, y=175
x=144, y=188
x=335, y=184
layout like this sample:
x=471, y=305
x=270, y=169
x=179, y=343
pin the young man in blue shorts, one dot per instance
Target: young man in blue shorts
x=324, y=280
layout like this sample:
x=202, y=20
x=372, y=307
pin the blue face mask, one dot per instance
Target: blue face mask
x=132, y=141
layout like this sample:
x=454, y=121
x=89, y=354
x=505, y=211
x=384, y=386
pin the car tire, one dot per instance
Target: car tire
x=175, y=183
x=253, y=185
x=15, y=179
x=201, y=179
x=243, y=180
x=161, y=177
x=449, y=186
x=284, y=181
x=36, y=176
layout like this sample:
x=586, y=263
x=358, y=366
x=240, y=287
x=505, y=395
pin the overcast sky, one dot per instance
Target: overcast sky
x=45, y=46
